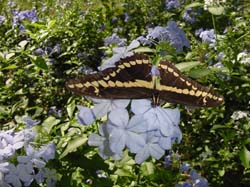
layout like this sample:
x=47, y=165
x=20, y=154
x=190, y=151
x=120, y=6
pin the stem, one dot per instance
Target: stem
x=242, y=36
x=215, y=31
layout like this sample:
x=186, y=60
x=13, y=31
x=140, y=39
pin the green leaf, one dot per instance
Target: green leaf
x=216, y=10
x=186, y=66
x=74, y=144
x=49, y=123
x=70, y=108
x=13, y=66
x=9, y=55
x=245, y=157
x=39, y=62
x=147, y=168
x=144, y=50
x=196, y=4
x=197, y=73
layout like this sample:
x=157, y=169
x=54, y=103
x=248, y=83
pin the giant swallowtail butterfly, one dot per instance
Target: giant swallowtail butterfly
x=132, y=78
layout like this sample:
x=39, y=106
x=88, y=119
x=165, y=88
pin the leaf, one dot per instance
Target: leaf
x=39, y=62
x=49, y=123
x=186, y=66
x=70, y=108
x=196, y=4
x=9, y=55
x=23, y=43
x=13, y=66
x=245, y=157
x=216, y=10
x=147, y=168
x=198, y=73
x=144, y=50
x=74, y=144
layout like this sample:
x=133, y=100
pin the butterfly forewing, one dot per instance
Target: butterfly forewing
x=177, y=88
x=130, y=78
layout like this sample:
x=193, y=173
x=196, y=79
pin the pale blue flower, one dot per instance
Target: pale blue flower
x=150, y=148
x=208, y=36
x=118, y=54
x=102, y=142
x=172, y=4
x=114, y=39
x=30, y=122
x=125, y=132
x=21, y=172
x=85, y=116
x=2, y=19
x=158, y=118
x=189, y=15
x=177, y=36
x=104, y=106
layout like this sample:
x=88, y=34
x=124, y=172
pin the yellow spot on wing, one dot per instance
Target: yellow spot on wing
x=198, y=93
x=87, y=84
x=111, y=83
x=185, y=91
x=163, y=66
x=127, y=64
x=121, y=66
x=145, y=61
x=170, y=70
x=191, y=92
x=176, y=74
x=194, y=88
x=103, y=83
x=204, y=94
x=139, y=61
x=106, y=78
x=132, y=63
x=71, y=85
x=95, y=83
x=188, y=83
x=119, y=83
x=113, y=74
x=79, y=85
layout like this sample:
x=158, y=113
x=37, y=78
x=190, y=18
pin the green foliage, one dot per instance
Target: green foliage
x=30, y=85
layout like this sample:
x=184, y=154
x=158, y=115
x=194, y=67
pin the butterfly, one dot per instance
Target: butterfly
x=136, y=77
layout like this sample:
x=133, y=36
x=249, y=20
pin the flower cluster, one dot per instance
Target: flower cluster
x=193, y=178
x=207, y=36
x=149, y=132
x=30, y=15
x=28, y=167
x=169, y=4
x=172, y=33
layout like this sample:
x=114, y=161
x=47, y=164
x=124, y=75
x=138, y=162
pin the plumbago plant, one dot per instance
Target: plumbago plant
x=51, y=137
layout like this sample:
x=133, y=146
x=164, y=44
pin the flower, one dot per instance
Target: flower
x=208, y=36
x=38, y=52
x=114, y=39
x=177, y=36
x=30, y=122
x=9, y=143
x=102, y=142
x=169, y=4
x=21, y=172
x=150, y=148
x=158, y=118
x=104, y=106
x=119, y=53
x=2, y=19
x=189, y=15
x=125, y=132
x=237, y=115
x=85, y=116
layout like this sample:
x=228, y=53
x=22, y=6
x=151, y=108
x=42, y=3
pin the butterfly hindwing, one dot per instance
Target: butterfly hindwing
x=130, y=78
x=177, y=88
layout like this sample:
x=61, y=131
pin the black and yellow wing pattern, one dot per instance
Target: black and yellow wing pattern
x=132, y=78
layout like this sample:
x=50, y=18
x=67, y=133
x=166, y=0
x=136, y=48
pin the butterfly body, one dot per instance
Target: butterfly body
x=136, y=78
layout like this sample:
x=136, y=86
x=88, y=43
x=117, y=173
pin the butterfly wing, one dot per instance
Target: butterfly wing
x=177, y=88
x=130, y=78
